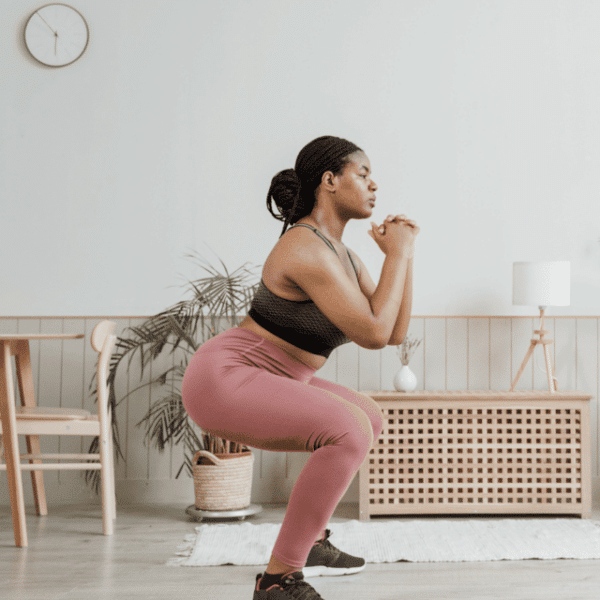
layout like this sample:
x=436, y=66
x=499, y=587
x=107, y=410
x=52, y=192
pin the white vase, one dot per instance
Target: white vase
x=405, y=380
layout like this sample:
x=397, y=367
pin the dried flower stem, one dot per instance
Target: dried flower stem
x=406, y=349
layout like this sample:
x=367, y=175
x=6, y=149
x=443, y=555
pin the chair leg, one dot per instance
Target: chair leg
x=107, y=502
x=11, y=447
x=25, y=381
x=113, y=491
x=37, y=477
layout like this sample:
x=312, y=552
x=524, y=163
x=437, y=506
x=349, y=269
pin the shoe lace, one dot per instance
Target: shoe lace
x=300, y=589
x=326, y=544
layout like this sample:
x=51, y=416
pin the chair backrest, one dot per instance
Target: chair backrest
x=103, y=341
x=100, y=332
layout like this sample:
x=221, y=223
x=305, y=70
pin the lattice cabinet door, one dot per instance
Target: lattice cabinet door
x=465, y=455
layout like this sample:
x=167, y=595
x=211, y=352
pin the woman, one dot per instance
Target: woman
x=255, y=384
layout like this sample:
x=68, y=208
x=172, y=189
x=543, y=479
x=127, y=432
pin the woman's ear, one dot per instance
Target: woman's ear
x=328, y=181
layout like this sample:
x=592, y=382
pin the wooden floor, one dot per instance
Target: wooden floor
x=68, y=558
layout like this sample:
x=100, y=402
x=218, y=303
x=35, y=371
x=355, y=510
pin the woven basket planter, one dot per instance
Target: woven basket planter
x=222, y=481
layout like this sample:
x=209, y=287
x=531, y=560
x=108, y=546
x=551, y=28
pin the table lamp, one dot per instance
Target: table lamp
x=541, y=284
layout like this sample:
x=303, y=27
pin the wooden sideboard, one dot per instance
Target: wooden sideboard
x=479, y=452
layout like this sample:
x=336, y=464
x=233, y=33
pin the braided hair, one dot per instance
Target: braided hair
x=293, y=190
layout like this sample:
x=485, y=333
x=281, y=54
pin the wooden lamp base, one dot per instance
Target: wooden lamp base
x=552, y=381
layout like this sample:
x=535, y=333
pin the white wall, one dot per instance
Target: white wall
x=480, y=118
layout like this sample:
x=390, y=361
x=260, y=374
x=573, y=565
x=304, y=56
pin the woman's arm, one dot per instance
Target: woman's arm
x=401, y=326
x=368, y=320
x=368, y=287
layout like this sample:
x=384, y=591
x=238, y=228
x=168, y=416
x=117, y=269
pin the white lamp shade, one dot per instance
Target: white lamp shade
x=542, y=283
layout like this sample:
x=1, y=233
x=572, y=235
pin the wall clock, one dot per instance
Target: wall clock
x=56, y=35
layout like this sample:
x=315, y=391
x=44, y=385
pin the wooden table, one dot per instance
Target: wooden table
x=17, y=345
x=479, y=452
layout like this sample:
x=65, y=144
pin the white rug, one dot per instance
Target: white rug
x=425, y=540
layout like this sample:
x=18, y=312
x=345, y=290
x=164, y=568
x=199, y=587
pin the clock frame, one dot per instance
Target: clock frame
x=56, y=34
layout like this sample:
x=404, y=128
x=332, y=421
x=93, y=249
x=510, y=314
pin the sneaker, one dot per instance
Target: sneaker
x=325, y=559
x=290, y=587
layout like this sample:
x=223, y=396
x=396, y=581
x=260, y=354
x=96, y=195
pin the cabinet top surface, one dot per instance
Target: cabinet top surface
x=479, y=395
x=39, y=336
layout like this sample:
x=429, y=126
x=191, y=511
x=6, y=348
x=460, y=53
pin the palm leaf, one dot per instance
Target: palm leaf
x=215, y=303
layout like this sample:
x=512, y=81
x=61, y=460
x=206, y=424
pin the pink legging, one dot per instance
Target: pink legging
x=246, y=389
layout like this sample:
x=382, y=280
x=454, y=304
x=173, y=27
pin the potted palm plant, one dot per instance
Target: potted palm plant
x=215, y=303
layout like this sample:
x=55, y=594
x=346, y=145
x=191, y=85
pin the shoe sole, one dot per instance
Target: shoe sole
x=322, y=571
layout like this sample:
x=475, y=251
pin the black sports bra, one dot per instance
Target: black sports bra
x=298, y=322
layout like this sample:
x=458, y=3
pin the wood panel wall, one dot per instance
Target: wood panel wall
x=456, y=353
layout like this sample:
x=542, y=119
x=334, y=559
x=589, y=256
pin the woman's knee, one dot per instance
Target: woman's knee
x=348, y=429
x=359, y=434
x=375, y=414
x=366, y=403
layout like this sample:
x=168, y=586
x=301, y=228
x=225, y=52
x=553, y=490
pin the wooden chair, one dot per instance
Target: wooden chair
x=35, y=421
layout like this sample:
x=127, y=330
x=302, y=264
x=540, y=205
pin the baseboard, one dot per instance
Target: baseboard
x=168, y=491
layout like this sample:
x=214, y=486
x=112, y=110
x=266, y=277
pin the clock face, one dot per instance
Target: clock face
x=56, y=35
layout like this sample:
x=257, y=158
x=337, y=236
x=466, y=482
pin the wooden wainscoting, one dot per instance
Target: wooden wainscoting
x=457, y=353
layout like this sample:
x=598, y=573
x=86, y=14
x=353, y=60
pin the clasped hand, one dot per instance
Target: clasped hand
x=395, y=219
x=399, y=238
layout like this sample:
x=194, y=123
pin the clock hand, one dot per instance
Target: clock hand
x=42, y=18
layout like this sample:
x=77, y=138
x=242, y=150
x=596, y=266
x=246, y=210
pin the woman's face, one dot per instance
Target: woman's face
x=355, y=191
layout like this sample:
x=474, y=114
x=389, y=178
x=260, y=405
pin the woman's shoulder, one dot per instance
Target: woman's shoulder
x=296, y=250
x=303, y=243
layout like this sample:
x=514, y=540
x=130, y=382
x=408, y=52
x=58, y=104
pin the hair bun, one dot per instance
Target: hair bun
x=284, y=192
